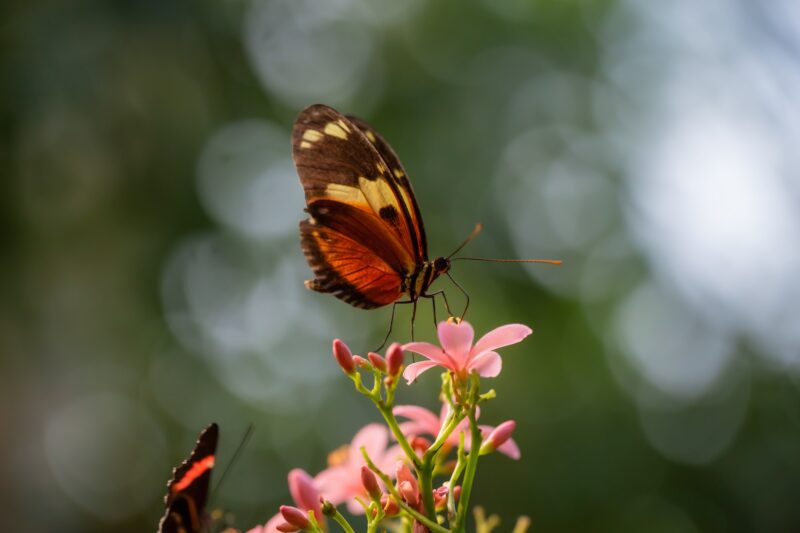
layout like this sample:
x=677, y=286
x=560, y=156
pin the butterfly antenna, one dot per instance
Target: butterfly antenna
x=475, y=231
x=546, y=261
x=247, y=434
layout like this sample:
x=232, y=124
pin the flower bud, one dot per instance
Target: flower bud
x=328, y=509
x=498, y=437
x=360, y=361
x=409, y=492
x=344, y=357
x=407, y=484
x=420, y=444
x=394, y=359
x=377, y=361
x=370, y=483
x=389, y=504
x=294, y=516
x=287, y=528
x=440, y=497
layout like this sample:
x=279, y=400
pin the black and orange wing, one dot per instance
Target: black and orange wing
x=187, y=491
x=398, y=173
x=360, y=240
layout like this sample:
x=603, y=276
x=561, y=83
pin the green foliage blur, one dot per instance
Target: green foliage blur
x=151, y=273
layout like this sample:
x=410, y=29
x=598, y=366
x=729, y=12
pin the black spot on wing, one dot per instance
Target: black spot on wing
x=389, y=214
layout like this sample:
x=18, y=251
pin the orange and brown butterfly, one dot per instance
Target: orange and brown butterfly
x=364, y=238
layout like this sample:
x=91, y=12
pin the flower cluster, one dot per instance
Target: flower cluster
x=390, y=472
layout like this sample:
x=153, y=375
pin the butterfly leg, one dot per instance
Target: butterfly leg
x=413, y=317
x=391, y=323
x=466, y=306
x=433, y=296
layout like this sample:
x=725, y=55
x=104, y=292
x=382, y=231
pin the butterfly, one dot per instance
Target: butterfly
x=364, y=238
x=187, y=491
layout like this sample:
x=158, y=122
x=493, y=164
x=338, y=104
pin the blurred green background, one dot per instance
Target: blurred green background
x=151, y=275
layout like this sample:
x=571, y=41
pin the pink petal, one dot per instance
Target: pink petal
x=303, y=491
x=387, y=461
x=374, y=438
x=456, y=340
x=432, y=352
x=333, y=484
x=411, y=429
x=354, y=507
x=273, y=523
x=413, y=370
x=424, y=419
x=502, y=336
x=487, y=364
x=510, y=449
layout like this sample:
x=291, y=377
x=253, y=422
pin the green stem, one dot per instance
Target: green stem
x=425, y=475
x=342, y=521
x=425, y=471
x=375, y=521
x=457, y=471
x=469, y=475
x=391, y=421
x=447, y=428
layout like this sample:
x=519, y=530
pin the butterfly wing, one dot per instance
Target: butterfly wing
x=360, y=239
x=398, y=173
x=187, y=491
x=347, y=269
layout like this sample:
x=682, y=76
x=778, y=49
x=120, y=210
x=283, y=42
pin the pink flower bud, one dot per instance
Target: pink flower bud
x=457, y=493
x=294, y=516
x=440, y=497
x=287, y=528
x=377, y=361
x=360, y=361
x=389, y=504
x=394, y=359
x=407, y=484
x=498, y=437
x=409, y=492
x=344, y=357
x=420, y=444
x=370, y=483
x=418, y=527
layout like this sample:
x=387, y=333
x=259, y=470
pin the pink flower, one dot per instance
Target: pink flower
x=341, y=481
x=305, y=495
x=422, y=421
x=459, y=356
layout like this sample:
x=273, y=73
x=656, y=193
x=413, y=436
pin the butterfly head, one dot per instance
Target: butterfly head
x=441, y=265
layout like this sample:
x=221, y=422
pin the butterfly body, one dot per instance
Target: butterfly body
x=364, y=239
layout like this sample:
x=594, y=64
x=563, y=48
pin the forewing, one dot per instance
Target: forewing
x=398, y=174
x=187, y=491
x=337, y=163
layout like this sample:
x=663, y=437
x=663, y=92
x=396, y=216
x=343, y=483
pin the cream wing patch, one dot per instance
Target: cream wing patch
x=377, y=192
x=345, y=193
x=336, y=129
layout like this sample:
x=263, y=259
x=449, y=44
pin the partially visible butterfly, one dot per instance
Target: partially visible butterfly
x=364, y=238
x=187, y=491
